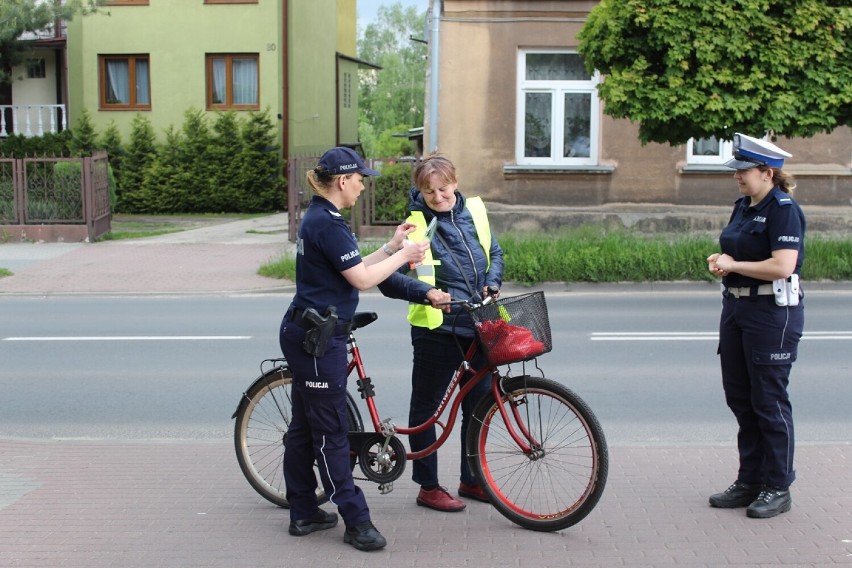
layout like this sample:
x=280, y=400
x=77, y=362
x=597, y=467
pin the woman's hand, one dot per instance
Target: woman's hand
x=414, y=252
x=713, y=264
x=437, y=297
x=781, y=264
x=399, y=235
x=492, y=291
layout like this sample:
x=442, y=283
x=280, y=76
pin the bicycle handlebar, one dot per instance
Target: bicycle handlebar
x=468, y=304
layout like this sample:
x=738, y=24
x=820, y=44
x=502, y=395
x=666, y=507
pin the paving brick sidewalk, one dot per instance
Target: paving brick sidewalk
x=185, y=504
x=216, y=259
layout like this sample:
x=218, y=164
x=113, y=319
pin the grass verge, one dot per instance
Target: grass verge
x=139, y=226
x=595, y=254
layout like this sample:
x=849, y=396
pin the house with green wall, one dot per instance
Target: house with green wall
x=294, y=59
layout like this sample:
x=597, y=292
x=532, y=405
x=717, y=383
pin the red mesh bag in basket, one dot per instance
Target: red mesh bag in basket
x=512, y=329
x=512, y=342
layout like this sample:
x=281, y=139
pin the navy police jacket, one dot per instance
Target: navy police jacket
x=777, y=222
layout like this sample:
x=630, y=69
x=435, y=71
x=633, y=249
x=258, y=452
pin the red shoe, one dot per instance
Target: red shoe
x=440, y=500
x=473, y=492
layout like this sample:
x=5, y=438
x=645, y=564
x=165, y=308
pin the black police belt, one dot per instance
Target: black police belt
x=746, y=291
x=297, y=316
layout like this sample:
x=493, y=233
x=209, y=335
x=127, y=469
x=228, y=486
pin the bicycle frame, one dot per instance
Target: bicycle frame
x=451, y=398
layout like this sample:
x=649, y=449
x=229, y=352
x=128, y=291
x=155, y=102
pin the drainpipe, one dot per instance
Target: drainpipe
x=434, y=60
x=284, y=116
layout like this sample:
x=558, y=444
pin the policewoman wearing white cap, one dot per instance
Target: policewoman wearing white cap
x=763, y=248
x=329, y=273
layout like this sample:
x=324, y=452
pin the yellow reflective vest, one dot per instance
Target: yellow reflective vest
x=423, y=315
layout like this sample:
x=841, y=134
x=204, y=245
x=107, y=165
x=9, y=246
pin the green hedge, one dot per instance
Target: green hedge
x=225, y=162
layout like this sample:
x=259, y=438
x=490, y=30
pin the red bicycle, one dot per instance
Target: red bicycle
x=536, y=447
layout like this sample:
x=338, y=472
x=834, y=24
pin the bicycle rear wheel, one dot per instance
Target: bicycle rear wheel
x=262, y=420
x=563, y=478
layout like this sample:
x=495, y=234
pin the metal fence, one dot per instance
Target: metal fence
x=54, y=199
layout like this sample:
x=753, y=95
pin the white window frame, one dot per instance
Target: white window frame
x=557, y=90
x=726, y=152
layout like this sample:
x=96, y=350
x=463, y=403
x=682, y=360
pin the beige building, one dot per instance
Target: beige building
x=509, y=101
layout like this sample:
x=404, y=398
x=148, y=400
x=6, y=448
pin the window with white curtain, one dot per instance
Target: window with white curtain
x=708, y=151
x=233, y=81
x=125, y=82
x=558, y=119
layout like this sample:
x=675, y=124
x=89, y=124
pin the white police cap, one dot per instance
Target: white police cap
x=750, y=152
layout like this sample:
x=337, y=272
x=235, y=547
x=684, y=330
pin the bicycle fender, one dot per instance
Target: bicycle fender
x=264, y=378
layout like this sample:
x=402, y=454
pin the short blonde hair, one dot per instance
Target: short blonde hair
x=435, y=164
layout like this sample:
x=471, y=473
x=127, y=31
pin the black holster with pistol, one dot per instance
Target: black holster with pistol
x=321, y=330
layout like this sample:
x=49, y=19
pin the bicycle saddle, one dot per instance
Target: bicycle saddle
x=363, y=319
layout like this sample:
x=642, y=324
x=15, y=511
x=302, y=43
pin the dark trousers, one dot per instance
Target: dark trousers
x=758, y=343
x=318, y=431
x=436, y=357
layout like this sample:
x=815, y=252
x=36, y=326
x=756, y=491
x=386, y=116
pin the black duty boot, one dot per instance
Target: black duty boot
x=771, y=502
x=739, y=494
x=319, y=522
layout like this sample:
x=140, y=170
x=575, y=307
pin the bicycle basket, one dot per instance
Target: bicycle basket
x=513, y=329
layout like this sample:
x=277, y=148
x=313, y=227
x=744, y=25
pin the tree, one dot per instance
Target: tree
x=141, y=153
x=18, y=17
x=696, y=68
x=83, y=137
x=392, y=99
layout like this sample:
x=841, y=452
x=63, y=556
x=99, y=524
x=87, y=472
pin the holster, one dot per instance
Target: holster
x=321, y=330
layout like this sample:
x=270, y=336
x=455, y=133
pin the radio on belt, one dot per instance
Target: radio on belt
x=786, y=291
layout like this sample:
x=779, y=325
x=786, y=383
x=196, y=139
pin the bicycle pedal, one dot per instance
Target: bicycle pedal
x=385, y=488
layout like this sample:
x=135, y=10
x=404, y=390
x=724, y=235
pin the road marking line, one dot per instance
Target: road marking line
x=133, y=338
x=696, y=335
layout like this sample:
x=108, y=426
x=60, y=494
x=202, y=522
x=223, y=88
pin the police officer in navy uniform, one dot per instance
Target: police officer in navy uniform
x=763, y=248
x=329, y=273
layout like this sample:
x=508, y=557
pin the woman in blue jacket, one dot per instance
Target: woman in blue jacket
x=463, y=262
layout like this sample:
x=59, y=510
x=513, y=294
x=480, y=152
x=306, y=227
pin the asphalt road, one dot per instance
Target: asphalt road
x=169, y=367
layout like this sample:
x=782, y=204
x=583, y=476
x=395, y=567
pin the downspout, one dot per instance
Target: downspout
x=434, y=60
x=285, y=82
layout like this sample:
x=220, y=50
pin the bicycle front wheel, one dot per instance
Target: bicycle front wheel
x=262, y=420
x=561, y=480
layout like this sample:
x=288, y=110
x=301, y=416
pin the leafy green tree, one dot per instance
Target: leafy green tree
x=18, y=17
x=698, y=68
x=392, y=99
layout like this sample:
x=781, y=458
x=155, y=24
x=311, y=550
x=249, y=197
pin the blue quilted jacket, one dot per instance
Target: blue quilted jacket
x=457, y=233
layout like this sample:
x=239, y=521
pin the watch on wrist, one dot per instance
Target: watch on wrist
x=388, y=250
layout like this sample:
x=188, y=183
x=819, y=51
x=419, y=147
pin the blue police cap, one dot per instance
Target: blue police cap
x=342, y=160
x=750, y=152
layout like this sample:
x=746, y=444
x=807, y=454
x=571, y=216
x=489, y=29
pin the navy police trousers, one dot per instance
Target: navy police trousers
x=318, y=430
x=758, y=342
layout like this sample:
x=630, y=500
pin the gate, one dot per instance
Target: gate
x=54, y=199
